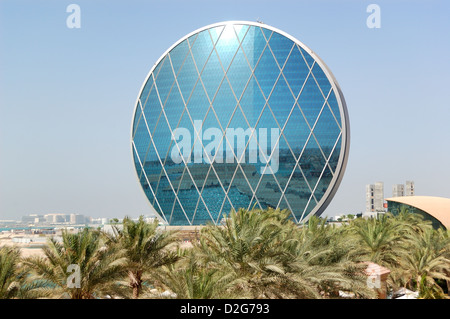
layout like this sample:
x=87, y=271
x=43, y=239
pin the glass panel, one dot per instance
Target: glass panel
x=326, y=131
x=322, y=79
x=137, y=119
x=332, y=102
x=152, y=165
x=141, y=140
x=296, y=71
x=240, y=193
x=224, y=104
x=212, y=75
x=254, y=204
x=155, y=72
x=252, y=102
x=267, y=72
x=281, y=101
x=267, y=33
x=152, y=169
x=296, y=131
x=178, y=217
x=298, y=192
x=241, y=30
x=201, y=49
x=227, y=46
x=165, y=196
x=311, y=101
x=323, y=183
x=213, y=195
x=188, y=195
x=268, y=192
x=212, y=138
x=184, y=127
x=187, y=77
x=137, y=164
x=175, y=173
x=201, y=215
x=215, y=33
x=227, y=207
x=152, y=111
x=198, y=104
x=264, y=138
x=334, y=158
x=239, y=73
x=284, y=205
x=286, y=163
x=174, y=108
x=311, y=205
x=145, y=92
x=281, y=46
x=198, y=166
x=308, y=58
x=312, y=162
x=162, y=138
x=165, y=80
x=253, y=45
x=148, y=192
x=178, y=55
x=237, y=135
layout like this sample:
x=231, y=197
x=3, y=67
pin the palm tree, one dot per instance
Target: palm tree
x=191, y=279
x=411, y=223
x=146, y=249
x=427, y=260
x=14, y=281
x=247, y=245
x=273, y=258
x=98, y=265
x=380, y=239
x=335, y=256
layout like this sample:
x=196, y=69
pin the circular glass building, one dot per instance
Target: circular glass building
x=239, y=115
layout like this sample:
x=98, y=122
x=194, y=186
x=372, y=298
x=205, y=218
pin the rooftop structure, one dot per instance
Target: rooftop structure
x=436, y=209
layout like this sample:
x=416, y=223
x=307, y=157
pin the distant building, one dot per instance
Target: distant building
x=32, y=219
x=77, y=219
x=375, y=197
x=57, y=218
x=398, y=190
x=370, y=188
x=371, y=214
x=409, y=191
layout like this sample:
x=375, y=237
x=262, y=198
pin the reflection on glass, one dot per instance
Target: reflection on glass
x=236, y=77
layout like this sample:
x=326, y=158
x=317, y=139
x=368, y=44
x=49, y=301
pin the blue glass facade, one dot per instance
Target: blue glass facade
x=286, y=113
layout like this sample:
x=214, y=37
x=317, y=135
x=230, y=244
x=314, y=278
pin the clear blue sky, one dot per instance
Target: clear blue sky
x=67, y=95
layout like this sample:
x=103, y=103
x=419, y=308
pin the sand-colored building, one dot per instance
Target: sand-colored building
x=435, y=209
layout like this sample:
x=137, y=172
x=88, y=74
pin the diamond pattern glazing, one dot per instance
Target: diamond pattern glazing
x=248, y=77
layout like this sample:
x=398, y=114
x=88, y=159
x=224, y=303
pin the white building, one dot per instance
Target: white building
x=77, y=219
x=375, y=197
x=398, y=190
x=409, y=191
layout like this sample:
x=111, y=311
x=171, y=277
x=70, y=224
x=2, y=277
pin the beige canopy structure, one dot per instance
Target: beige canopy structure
x=437, y=207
